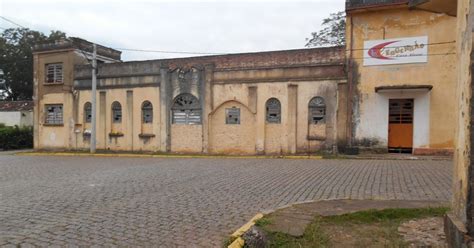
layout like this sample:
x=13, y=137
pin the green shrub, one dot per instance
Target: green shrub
x=15, y=137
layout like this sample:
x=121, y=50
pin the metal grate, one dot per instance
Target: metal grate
x=54, y=114
x=147, y=112
x=116, y=112
x=54, y=73
x=401, y=111
x=186, y=110
x=317, y=110
x=88, y=112
x=273, y=107
x=232, y=116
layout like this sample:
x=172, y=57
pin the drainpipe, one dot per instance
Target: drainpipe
x=350, y=79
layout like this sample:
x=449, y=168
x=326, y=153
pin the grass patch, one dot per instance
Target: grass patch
x=371, y=228
x=396, y=214
x=263, y=222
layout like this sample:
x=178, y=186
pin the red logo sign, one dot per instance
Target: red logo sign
x=376, y=51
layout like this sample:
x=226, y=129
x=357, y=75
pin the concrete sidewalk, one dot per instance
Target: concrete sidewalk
x=294, y=219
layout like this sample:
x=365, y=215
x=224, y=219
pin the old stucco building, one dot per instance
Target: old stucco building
x=402, y=76
x=392, y=88
x=257, y=103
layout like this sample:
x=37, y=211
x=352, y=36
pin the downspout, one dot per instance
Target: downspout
x=350, y=79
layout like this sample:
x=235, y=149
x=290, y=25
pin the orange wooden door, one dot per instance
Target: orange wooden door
x=400, y=127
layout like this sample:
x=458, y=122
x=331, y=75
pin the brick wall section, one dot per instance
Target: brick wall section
x=286, y=58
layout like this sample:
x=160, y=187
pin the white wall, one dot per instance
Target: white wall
x=373, y=121
x=10, y=118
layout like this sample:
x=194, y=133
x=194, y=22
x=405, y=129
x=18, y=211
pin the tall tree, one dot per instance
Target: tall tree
x=16, y=59
x=333, y=32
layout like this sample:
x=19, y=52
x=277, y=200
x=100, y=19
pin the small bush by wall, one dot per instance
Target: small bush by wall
x=15, y=137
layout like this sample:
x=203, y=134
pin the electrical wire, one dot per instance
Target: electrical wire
x=161, y=51
x=12, y=22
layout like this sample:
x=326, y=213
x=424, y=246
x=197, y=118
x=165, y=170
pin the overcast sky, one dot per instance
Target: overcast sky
x=196, y=26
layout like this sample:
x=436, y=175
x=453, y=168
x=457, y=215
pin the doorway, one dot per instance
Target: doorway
x=400, y=127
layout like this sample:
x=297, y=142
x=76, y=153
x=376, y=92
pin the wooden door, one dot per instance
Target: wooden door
x=400, y=127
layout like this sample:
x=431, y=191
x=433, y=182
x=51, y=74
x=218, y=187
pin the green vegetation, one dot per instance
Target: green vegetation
x=372, y=228
x=15, y=137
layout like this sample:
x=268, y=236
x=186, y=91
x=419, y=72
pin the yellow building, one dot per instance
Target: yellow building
x=281, y=102
x=392, y=89
x=402, y=76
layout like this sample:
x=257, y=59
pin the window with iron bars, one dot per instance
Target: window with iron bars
x=54, y=73
x=186, y=110
x=88, y=112
x=116, y=112
x=53, y=114
x=273, y=107
x=147, y=112
x=232, y=116
x=317, y=110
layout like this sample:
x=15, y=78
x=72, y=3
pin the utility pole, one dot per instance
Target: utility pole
x=94, y=100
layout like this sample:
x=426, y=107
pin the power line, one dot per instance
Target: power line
x=416, y=55
x=12, y=22
x=427, y=44
x=161, y=51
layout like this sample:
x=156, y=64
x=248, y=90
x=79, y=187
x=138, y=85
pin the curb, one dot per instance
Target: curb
x=129, y=155
x=239, y=242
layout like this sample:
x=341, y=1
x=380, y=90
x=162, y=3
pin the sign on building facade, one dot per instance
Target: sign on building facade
x=396, y=51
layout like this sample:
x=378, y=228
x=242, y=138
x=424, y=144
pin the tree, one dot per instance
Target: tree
x=16, y=59
x=333, y=32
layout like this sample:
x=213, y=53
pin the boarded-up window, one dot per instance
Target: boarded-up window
x=186, y=110
x=54, y=114
x=116, y=112
x=54, y=73
x=232, y=116
x=273, y=108
x=147, y=112
x=317, y=110
x=88, y=112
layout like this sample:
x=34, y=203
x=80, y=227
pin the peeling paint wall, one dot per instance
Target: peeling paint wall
x=244, y=81
x=462, y=200
x=434, y=119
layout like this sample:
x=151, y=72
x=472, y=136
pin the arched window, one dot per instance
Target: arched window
x=87, y=112
x=273, y=107
x=116, y=112
x=317, y=110
x=186, y=110
x=147, y=112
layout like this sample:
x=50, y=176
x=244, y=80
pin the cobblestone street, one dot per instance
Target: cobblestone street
x=184, y=202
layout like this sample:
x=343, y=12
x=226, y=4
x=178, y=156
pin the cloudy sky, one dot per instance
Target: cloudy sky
x=195, y=26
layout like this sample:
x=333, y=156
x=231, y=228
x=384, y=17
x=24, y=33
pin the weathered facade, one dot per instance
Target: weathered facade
x=281, y=102
x=402, y=77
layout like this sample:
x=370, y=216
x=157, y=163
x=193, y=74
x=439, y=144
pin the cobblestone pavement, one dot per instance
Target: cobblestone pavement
x=86, y=201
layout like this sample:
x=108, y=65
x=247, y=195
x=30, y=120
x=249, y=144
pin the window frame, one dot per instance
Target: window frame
x=186, y=110
x=317, y=104
x=58, y=116
x=147, y=106
x=269, y=118
x=87, y=112
x=116, y=108
x=230, y=116
x=57, y=73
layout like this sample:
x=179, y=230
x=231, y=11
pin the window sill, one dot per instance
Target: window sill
x=52, y=125
x=52, y=84
x=116, y=134
x=146, y=135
